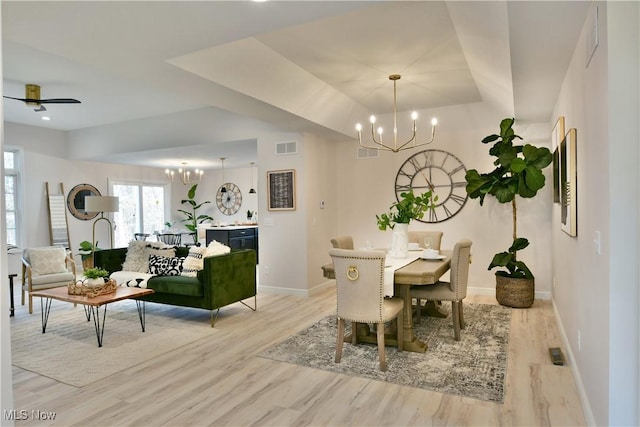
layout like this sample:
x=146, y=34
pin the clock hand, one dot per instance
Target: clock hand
x=427, y=179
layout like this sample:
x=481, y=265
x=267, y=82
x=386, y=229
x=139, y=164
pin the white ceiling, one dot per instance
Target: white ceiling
x=315, y=66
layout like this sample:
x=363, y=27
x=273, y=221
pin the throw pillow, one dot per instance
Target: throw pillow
x=138, y=251
x=217, y=248
x=48, y=260
x=194, y=261
x=165, y=266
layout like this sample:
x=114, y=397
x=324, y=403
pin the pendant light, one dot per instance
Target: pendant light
x=252, y=190
x=223, y=189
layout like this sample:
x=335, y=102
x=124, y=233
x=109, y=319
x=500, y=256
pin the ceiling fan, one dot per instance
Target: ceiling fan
x=32, y=97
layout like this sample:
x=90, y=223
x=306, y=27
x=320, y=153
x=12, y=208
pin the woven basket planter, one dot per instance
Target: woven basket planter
x=517, y=293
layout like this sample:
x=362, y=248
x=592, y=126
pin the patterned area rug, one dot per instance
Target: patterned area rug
x=473, y=367
x=69, y=352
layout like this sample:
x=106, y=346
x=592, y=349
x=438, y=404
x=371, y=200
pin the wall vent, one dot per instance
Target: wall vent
x=367, y=153
x=285, y=148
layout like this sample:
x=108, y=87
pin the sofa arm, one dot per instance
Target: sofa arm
x=229, y=278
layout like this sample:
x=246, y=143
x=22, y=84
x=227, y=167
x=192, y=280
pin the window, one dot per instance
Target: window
x=142, y=208
x=12, y=195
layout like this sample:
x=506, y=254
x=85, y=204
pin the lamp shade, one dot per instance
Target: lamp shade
x=101, y=204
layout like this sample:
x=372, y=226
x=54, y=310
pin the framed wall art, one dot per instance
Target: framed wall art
x=557, y=134
x=281, y=190
x=568, y=183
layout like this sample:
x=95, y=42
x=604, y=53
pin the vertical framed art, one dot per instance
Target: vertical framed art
x=568, y=183
x=281, y=190
x=557, y=134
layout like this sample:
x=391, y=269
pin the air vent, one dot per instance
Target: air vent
x=285, y=148
x=367, y=153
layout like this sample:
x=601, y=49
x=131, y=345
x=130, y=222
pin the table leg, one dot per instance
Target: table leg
x=45, y=308
x=97, y=323
x=411, y=342
x=141, y=313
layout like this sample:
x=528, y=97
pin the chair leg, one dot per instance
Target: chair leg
x=380, y=334
x=354, y=333
x=340, y=340
x=400, y=337
x=22, y=295
x=460, y=312
x=456, y=319
x=419, y=309
x=30, y=303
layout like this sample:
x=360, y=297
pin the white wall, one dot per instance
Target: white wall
x=596, y=295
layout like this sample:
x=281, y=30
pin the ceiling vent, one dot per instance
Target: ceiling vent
x=285, y=148
x=367, y=153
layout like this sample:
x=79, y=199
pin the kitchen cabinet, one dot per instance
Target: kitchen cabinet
x=235, y=237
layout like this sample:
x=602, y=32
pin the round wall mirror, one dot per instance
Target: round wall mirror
x=75, y=201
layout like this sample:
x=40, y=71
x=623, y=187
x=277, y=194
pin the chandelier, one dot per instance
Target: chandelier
x=410, y=143
x=185, y=175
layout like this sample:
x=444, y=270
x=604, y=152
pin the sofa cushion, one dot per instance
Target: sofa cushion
x=165, y=266
x=47, y=260
x=177, y=285
x=131, y=279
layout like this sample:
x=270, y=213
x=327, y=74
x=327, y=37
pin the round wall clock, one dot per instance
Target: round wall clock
x=75, y=201
x=229, y=202
x=438, y=171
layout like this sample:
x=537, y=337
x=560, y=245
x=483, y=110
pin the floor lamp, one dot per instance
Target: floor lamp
x=101, y=204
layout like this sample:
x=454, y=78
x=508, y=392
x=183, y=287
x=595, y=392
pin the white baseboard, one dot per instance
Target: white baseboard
x=297, y=292
x=586, y=406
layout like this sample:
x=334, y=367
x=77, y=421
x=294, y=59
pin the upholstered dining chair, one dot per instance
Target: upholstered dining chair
x=342, y=242
x=455, y=290
x=360, y=296
x=44, y=268
x=420, y=237
x=170, y=238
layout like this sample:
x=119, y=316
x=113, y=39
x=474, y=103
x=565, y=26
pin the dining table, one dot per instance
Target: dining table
x=420, y=272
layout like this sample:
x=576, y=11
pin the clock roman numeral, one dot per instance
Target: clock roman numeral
x=454, y=171
x=458, y=199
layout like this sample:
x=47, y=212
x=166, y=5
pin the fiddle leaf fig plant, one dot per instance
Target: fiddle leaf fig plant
x=518, y=172
x=407, y=208
x=192, y=219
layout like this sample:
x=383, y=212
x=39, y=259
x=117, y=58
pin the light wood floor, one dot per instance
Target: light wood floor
x=220, y=380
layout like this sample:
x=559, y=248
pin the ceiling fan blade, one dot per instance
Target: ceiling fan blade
x=46, y=101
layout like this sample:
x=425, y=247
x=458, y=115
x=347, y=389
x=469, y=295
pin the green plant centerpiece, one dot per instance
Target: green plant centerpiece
x=518, y=172
x=192, y=218
x=400, y=215
x=95, y=276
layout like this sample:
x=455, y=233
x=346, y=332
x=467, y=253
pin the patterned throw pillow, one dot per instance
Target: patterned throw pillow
x=194, y=261
x=138, y=251
x=165, y=266
x=47, y=260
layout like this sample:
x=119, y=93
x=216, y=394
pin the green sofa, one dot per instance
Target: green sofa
x=225, y=279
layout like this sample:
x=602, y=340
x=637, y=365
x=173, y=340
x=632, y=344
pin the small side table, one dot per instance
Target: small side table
x=11, y=309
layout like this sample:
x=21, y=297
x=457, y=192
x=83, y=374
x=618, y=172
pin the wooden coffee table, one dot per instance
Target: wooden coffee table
x=92, y=305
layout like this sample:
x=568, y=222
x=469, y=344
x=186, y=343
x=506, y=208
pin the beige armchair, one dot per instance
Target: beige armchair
x=455, y=290
x=360, y=294
x=44, y=268
x=342, y=242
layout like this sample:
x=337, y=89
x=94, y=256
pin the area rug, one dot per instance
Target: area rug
x=69, y=352
x=473, y=367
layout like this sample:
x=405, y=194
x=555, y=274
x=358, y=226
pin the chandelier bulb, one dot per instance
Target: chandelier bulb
x=372, y=119
x=414, y=115
x=434, y=121
x=359, y=127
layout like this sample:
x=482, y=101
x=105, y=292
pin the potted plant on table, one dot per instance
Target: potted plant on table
x=95, y=276
x=192, y=219
x=518, y=172
x=400, y=214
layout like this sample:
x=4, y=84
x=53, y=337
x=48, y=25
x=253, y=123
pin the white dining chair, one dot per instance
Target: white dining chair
x=360, y=296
